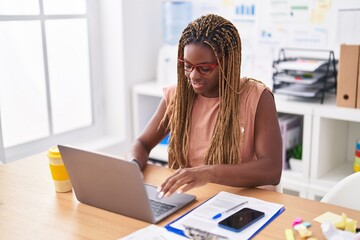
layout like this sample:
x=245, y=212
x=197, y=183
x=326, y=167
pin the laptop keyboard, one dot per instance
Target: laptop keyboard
x=160, y=208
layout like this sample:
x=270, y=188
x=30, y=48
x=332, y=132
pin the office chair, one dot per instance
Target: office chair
x=345, y=193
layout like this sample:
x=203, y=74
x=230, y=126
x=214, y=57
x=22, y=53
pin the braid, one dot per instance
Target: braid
x=223, y=38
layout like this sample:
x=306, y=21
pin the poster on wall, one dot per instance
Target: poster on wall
x=267, y=26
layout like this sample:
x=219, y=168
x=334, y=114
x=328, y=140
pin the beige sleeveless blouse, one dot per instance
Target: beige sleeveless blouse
x=205, y=111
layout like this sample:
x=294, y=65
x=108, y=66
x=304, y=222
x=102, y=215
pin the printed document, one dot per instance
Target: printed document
x=202, y=217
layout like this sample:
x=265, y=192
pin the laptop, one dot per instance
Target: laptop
x=116, y=185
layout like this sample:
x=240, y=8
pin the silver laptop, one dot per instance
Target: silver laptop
x=116, y=185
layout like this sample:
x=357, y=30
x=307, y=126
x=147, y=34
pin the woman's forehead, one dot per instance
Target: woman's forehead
x=198, y=51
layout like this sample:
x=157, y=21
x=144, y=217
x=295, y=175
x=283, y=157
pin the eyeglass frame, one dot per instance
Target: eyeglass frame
x=211, y=66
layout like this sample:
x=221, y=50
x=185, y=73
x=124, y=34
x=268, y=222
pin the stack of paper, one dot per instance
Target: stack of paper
x=300, y=90
x=306, y=65
x=300, y=78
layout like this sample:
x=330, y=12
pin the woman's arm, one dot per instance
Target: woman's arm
x=149, y=138
x=266, y=170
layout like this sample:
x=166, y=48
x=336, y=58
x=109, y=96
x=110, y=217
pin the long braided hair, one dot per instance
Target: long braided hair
x=223, y=38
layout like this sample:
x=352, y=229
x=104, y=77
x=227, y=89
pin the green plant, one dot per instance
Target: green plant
x=296, y=152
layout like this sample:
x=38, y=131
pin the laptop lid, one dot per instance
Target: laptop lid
x=114, y=184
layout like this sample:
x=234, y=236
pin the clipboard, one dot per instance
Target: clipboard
x=193, y=220
x=179, y=231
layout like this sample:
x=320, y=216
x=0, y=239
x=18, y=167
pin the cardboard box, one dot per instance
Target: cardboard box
x=348, y=76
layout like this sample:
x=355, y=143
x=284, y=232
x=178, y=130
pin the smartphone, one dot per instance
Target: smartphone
x=241, y=219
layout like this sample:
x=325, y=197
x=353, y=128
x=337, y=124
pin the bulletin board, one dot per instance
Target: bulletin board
x=265, y=26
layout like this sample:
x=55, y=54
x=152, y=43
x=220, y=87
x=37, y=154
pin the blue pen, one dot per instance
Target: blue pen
x=220, y=214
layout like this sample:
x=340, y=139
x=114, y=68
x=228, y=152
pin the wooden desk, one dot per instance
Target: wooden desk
x=31, y=209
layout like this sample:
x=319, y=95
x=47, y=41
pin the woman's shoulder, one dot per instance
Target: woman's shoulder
x=252, y=91
x=169, y=92
x=253, y=86
x=253, y=83
x=170, y=88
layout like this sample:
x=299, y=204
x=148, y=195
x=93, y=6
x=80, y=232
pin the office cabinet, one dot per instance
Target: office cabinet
x=328, y=139
x=335, y=130
x=329, y=136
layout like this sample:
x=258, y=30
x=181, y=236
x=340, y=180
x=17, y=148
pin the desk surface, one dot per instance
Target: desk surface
x=30, y=207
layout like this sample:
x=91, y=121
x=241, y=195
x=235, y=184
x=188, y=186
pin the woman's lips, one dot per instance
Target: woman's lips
x=197, y=84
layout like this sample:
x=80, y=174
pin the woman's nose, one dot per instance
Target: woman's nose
x=194, y=74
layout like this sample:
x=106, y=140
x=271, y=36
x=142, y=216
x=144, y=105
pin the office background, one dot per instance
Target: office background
x=127, y=36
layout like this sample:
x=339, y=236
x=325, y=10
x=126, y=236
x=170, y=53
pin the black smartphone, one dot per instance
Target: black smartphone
x=241, y=219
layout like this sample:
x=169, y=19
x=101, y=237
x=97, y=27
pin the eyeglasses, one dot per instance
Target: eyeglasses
x=203, y=69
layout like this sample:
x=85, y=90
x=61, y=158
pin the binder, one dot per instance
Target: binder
x=200, y=218
x=347, y=86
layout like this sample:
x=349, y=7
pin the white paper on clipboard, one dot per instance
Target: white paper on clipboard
x=201, y=217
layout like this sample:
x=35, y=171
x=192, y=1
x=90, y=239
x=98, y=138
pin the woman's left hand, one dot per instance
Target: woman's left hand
x=185, y=179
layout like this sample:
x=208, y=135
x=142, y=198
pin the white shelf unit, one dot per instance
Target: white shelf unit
x=334, y=140
x=328, y=140
x=297, y=181
x=146, y=98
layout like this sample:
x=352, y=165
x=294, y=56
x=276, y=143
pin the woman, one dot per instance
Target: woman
x=223, y=128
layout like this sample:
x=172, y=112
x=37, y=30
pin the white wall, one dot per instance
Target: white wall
x=140, y=23
x=132, y=29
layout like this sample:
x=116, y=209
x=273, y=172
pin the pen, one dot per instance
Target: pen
x=220, y=214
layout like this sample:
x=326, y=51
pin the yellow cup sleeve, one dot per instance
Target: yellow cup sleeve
x=59, y=172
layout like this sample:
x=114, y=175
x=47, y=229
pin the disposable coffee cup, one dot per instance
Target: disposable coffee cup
x=58, y=171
